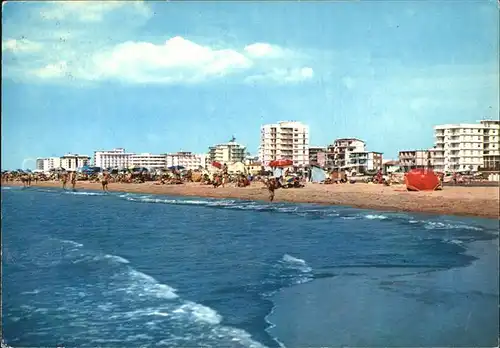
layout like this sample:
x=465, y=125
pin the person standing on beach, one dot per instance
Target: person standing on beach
x=271, y=187
x=104, y=182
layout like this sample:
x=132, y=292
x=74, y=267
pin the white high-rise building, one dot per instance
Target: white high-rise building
x=149, y=161
x=285, y=140
x=116, y=158
x=72, y=162
x=466, y=147
x=229, y=152
x=341, y=152
x=46, y=164
x=186, y=159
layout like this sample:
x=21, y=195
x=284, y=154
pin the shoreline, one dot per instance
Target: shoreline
x=480, y=202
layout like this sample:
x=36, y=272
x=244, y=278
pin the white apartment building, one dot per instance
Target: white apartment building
x=339, y=153
x=116, y=158
x=285, y=140
x=363, y=161
x=466, y=147
x=188, y=160
x=411, y=159
x=149, y=161
x=313, y=154
x=72, y=162
x=46, y=164
x=229, y=152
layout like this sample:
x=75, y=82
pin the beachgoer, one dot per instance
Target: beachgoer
x=64, y=180
x=271, y=187
x=104, y=182
x=73, y=180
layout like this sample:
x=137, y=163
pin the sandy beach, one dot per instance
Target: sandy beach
x=462, y=201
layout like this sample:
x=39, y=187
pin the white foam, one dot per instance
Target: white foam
x=296, y=263
x=349, y=217
x=446, y=226
x=200, y=313
x=153, y=287
x=84, y=193
x=34, y=292
x=79, y=245
x=117, y=258
x=375, y=217
x=413, y=222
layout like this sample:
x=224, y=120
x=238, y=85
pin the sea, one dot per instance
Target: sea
x=94, y=269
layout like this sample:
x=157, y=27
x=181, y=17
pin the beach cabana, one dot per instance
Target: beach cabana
x=317, y=174
x=422, y=180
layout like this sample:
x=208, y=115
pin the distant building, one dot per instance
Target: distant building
x=149, y=161
x=188, y=160
x=313, y=154
x=363, y=161
x=339, y=153
x=116, y=158
x=285, y=140
x=226, y=152
x=46, y=164
x=411, y=159
x=390, y=166
x=72, y=162
x=467, y=147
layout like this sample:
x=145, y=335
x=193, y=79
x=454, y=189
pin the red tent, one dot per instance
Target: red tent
x=422, y=180
x=281, y=163
x=217, y=164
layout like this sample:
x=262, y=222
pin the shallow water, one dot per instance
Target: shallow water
x=85, y=268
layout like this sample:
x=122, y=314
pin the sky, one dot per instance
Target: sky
x=163, y=77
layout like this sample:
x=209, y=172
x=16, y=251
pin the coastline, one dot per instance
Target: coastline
x=480, y=202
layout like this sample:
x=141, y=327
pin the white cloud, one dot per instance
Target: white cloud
x=95, y=41
x=19, y=46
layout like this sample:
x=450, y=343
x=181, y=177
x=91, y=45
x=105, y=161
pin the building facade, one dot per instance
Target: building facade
x=72, y=162
x=229, y=152
x=188, y=160
x=363, y=161
x=411, y=159
x=46, y=164
x=313, y=155
x=149, y=161
x=339, y=153
x=466, y=147
x=116, y=158
x=285, y=140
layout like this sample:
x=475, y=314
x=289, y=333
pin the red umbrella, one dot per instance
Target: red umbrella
x=217, y=164
x=421, y=180
x=281, y=163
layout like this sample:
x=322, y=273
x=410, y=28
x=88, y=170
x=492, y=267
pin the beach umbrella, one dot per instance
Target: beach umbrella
x=421, y=180
x=281, y=163
x=217, y=164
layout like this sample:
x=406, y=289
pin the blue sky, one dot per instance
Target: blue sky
x=166, y=76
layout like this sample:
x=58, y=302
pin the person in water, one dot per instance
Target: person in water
x=64, y=180
x=271, y=187
x=104, y=182
x=73, y=180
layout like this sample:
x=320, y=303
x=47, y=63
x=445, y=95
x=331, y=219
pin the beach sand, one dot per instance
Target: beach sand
x=462, y=201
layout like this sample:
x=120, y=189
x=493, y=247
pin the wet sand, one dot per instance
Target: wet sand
x=462, y=201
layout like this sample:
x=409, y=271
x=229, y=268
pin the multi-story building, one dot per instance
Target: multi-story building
x=229, y=152
x=411, y=159
x=285, y=140
x=466, y=147
x=491, y=145
x=313, y=154
x=72, y=162
x=149, y=161
x=363, y=161
x=188, y=160
x=46, y=164
x=339, y=153
x=116, y=158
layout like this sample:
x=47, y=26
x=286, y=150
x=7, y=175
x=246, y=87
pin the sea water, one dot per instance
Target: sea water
x=91, y=269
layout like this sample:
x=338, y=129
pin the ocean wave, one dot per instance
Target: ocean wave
x=75, y=244
x=84, y=193
x=116, y=258
x=199, y=313
x=375, y=217
x=151, y=286
x=431, y=225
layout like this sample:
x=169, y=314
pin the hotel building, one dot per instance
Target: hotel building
x=411, y=159
x=285, y=140
x=72, y=162
x=339, y=153
x=116, y=158
x=229, y=152
x=46, y=164
x=149, y=161
x=186, y=159
x=466, y=147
